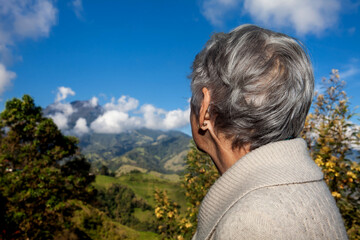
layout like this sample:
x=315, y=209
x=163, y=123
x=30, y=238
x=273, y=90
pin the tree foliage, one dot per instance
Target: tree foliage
x=167, y=214
x=119, y=203
x=199, y=175
x=40, y=171
x=331, y=138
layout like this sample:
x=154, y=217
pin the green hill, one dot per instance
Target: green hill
x=144, y=185
x=155, y=150
x=96, y=225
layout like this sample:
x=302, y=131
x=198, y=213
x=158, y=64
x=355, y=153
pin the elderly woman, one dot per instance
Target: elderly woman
x=252, y=89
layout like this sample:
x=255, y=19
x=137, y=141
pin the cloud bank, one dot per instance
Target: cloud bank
x=305, y=16
x=117, y=116
x=81, y=127
x=62, y=110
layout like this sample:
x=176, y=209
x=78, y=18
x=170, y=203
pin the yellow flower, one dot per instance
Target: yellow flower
x=170, y=214
x=188, y=225
x=336, y=194
x=325, y=150
x=319, y=161
x=351, y=174
x=330, y=164
x=179, y=237
x=158, y=212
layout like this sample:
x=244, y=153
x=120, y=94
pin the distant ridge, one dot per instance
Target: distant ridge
x=145, y=149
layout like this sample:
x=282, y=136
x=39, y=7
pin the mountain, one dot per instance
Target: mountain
x=141, y=149
x=75, y=110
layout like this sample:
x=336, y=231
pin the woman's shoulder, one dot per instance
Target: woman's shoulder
x=301, y=211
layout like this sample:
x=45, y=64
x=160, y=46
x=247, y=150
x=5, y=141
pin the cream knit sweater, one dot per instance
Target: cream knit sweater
x=273, y=192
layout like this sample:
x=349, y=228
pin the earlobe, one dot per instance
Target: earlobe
x=204, y=126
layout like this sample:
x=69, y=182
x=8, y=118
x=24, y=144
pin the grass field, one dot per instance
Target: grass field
x=144, y=185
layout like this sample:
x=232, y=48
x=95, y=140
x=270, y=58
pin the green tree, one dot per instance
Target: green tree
x=167, y=214
x=40, y=171
x=119, y=203
x=331, y=136
x=199, y=176
x=104, y=170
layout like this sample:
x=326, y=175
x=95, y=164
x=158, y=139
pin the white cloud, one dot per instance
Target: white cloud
x=349, y=72
x=20, y=20
x=176, y=118
x=305, y=16
x=63, y=110
x=123, y=115
x=81, y=127
x=34, y=19
x=60, y=119
x=119, y=115
x=5, y=78
x=123, y=104
x=155, y=118
x=152, y=116
x=94, y=101
x=77, y=6
x=63, y=93
x=62, y=113
x=25, y=19
x=214, y=10
x=115, y=122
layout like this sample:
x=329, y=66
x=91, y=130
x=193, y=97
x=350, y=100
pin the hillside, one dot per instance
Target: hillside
x=138, y=149
x=143, y=185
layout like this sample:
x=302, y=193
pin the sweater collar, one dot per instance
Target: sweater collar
x=277, y=163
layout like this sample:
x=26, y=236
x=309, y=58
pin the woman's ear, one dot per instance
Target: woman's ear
x=204, y=116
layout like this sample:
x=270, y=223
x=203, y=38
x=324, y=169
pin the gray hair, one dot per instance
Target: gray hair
x=261, y=85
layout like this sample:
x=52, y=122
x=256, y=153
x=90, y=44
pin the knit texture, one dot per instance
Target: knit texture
x=273, y=192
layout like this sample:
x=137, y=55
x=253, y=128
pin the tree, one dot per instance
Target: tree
x=200, y=174
x=167, y=214
x=119, y=203
x=331, y=136
x=104, y=170
x=40, y=171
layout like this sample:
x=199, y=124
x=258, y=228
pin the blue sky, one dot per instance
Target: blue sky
x=133, y=57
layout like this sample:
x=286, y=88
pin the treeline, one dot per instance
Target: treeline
x=119, y=203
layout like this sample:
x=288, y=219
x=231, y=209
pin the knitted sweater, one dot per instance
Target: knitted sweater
x=273, y=192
